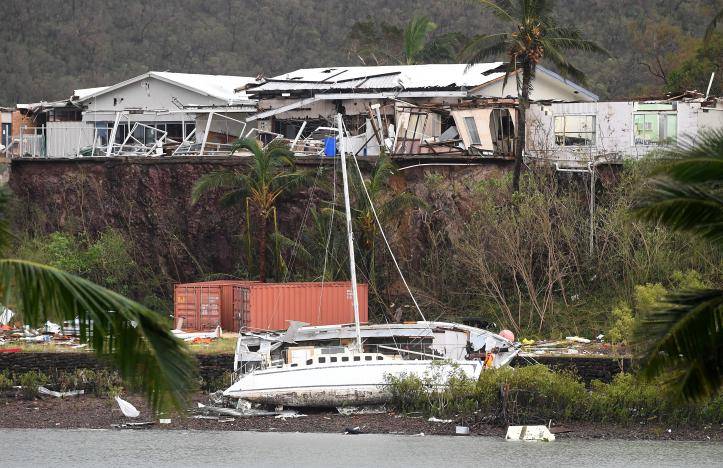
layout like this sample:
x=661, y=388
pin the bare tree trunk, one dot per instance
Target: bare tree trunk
x=524, y=104
x=262, y=248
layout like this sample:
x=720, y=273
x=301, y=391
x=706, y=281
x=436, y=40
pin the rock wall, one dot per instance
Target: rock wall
x=213, y=366
x=148, y=200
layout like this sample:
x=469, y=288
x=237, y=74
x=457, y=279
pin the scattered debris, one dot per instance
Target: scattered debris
x=443, y=421
x=132, y=425
x=164, y=421
x=577, y=339
x=353, y=430
x=128, y=410
x=368, y=409
x=461, y=430
x=45, y=391
x=198, y=337
x=541, y=433
x=289, y=414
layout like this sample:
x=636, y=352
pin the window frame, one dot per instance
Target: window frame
x=593, y=132
x=662, y=141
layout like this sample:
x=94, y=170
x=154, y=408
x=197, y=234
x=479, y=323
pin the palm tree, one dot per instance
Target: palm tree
x=137, y=341
x=389, y=205
x=684, y=337
x=271, y=174
x=535, y=36
x=415, y=38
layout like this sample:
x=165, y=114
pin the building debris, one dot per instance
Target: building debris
x=461, y=430
x=367, y=409
x=132, y=425
x=442, y=421
x=44, y=391
x=533, y=433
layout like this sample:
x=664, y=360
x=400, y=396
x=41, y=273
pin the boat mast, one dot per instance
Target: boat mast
x=350, y=233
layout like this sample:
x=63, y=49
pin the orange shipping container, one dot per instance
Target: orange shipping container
x=266, y=306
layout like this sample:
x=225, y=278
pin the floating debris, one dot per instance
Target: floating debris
x=541, y=433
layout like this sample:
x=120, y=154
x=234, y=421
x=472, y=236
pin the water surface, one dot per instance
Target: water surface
x=156, y=448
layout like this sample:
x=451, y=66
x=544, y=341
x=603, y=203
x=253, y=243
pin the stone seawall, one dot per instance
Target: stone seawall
x=213, y=366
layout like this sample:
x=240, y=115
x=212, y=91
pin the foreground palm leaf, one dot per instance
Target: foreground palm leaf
x=136, y=340
x=683, y=338
x=684, y=342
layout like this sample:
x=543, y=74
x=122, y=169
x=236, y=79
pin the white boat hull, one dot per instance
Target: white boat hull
x=342, y=383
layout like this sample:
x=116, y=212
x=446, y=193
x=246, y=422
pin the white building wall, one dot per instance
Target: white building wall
x=544, y=88
x=150, y=94
x=614, y=132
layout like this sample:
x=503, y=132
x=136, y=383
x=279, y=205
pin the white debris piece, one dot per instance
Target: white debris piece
x=443, y=421
x=128, y=410
x=6, y=316
x=190, y=336
x=461, y=430
x=45, y=391
x=529, y=433
x=577, y=339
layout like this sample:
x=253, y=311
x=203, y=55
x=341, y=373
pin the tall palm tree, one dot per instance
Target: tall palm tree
x=137, y=341
x=271, y=174
x=535, y=35
x=684, y=337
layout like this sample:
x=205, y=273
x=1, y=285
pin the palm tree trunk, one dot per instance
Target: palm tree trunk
x=524, y=104
x=262, y=247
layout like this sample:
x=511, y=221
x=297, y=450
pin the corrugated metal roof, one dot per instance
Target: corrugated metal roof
x=432, y=76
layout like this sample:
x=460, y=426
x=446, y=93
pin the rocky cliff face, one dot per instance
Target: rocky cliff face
x=148, y=200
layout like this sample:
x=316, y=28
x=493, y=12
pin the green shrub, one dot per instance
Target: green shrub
x=535, y=394
x=6, y=382
x=30, y=381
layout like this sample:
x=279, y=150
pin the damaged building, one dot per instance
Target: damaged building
x=583, y=133
x=403, y=110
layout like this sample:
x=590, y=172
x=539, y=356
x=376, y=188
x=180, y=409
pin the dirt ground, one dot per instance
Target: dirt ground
x=102, y=413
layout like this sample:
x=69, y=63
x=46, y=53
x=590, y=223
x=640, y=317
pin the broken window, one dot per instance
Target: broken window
x=655, y=128
x=575, y=130
x=472, y=130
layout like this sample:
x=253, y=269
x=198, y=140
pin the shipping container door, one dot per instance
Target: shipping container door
x=186, y=307
x=240, y=307
x=209, y=300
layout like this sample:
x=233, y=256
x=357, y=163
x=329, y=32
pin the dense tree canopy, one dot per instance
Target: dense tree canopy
x=49, y=48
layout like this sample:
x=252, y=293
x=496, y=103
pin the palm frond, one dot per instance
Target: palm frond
x=248, y=144
x=571, y=39
x=503, y=9
x=563, y=65
x=415, y=36
x=483, y=47
x=5, y=234
x=696, y=160
x=214, y=181
x=682, y=339
x=682, y=207
x=135, y=339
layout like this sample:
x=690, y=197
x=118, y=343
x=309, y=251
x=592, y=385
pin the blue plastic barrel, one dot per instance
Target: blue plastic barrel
x=330, y=147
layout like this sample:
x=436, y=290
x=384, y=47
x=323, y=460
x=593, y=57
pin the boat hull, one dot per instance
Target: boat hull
x=341, y=384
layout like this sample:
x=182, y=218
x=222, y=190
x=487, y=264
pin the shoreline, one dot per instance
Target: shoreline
x=91, y=412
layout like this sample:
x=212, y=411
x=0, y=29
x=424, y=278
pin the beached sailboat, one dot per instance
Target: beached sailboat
x=339, y=370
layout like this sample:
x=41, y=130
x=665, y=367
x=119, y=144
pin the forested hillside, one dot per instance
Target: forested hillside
x=48, y=48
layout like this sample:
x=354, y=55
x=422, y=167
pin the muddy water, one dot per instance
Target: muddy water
x=156, y=448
